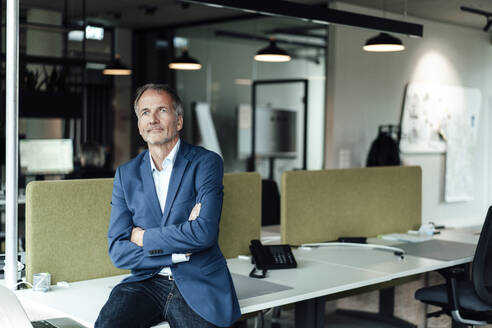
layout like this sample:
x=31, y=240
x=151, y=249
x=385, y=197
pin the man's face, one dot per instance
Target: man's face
x=158, y=123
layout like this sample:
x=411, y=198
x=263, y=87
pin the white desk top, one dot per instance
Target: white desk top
x=80, y=301
x=322, y=271
x=376, y=260
x=270, y=235
x=83, y=300
x=311, y=279
x=469, y=235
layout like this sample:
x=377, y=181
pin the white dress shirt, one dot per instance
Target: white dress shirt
x=161, y=182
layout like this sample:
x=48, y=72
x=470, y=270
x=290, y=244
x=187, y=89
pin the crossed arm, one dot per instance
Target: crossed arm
x=138, y=233
x=131, y=247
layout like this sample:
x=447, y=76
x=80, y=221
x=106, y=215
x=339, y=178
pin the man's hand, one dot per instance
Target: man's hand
x=195, y=212
x=137, y=236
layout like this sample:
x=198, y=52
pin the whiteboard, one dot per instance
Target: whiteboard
x=444, y=119
x=208, y=135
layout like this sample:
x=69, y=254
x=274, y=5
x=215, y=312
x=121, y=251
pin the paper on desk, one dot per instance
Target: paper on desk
x=406, y=237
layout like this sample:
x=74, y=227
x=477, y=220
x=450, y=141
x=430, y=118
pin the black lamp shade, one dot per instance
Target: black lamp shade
x=117, y=68
x=185, y=62
x=383, y=42
x=272, y=53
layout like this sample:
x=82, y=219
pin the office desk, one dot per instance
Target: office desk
x=83, y=300
x=321, y=271
x=467, y=235
x=380, y=261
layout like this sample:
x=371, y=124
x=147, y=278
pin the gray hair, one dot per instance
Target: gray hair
x=177, y=103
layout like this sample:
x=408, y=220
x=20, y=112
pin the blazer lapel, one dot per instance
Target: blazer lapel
x=179, y=168
x=149, y=189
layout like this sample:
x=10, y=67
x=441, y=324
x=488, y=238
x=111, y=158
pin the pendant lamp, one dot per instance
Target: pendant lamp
x=185, y=62
x=117, y=67
x=272, y=53
x=383, y=42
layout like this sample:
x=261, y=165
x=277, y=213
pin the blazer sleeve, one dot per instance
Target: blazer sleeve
x=202, y=233
x=123, y=253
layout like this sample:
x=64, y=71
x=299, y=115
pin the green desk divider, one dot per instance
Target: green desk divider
x=319, y=206
x=66, y=229
x=67, y=224
x=241, y=213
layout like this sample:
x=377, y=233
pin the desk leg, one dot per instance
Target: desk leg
x=386, y=311
x=310, y=313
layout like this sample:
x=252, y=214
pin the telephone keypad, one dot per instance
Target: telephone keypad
x=281, y=254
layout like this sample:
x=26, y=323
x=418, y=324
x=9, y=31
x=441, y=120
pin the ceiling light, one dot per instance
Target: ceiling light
x=383, y=42
x=180, y=42
x=272, y=53
x=185, y=62
x=117, y=68
x=76, y=35
x=94, y=33
x=243, y=81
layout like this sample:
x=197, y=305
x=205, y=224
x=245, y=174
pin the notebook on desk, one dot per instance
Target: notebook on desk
x=12, y=315
x=405, y=237
x=441, y=250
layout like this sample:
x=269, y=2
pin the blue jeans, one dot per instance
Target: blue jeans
x=147, y=303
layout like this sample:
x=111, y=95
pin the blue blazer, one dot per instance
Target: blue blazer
x=204, y=281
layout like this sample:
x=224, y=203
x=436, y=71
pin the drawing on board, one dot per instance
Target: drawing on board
x=461, y=143
x=443, y=119
x=425, y=114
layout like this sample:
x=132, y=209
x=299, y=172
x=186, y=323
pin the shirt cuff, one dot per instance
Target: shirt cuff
x=178, y=258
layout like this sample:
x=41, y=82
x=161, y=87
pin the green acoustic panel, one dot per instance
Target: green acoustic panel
x=319, y=206
x=241, y=213
x=67, y=224
x=66, y=229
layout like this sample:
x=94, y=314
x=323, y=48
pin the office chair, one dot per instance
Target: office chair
x=270, y=203
x=469, y=302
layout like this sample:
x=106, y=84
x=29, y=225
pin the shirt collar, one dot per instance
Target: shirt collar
x=170, y=157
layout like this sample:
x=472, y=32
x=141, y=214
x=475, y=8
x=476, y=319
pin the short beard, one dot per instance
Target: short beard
x=162, y=142
x=166, y=139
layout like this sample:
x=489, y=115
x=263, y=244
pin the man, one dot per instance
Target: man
x=165, y=213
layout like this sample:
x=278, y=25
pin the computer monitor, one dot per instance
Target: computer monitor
x=46, y=156
x=275, y=132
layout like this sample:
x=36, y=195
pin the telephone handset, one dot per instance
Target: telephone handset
x=271, y=257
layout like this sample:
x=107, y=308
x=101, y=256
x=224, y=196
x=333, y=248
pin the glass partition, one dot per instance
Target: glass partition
x=229, y=72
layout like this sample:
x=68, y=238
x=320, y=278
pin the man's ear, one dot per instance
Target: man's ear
x=180, y=122
x=138, y=127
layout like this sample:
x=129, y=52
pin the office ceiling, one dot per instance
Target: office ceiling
x=154, y=13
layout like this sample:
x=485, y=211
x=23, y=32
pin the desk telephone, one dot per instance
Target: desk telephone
x=270, y=257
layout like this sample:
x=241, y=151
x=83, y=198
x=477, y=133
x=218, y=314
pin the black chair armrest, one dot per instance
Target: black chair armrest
x=452, y=276
x=457, y=272
x=452, y=293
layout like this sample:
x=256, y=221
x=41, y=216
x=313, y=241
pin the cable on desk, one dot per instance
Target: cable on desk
x=24, y=282
x=397, y=251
